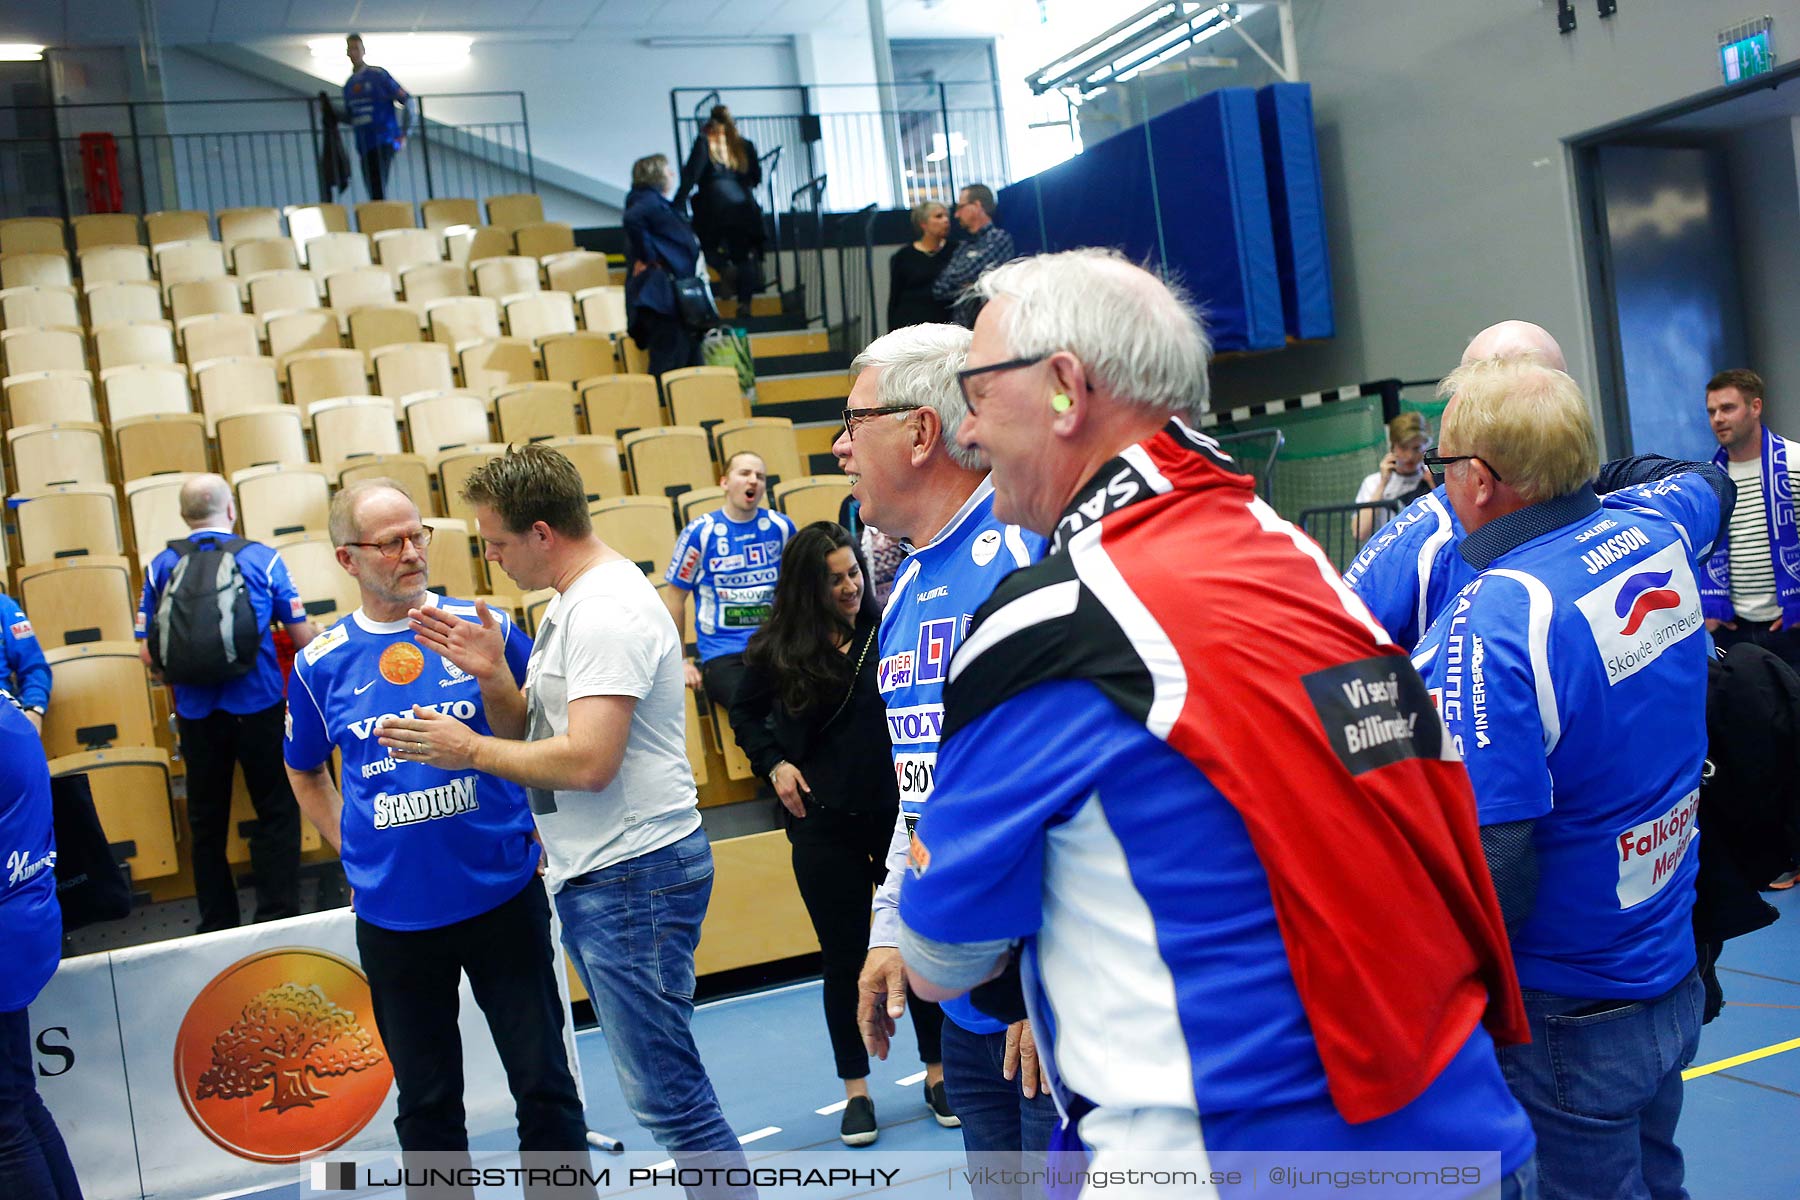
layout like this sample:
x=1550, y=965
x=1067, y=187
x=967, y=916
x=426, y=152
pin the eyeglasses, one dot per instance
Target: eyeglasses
x=963, y=377
x=1437, y=462
x=856, y=416
x=395, y=547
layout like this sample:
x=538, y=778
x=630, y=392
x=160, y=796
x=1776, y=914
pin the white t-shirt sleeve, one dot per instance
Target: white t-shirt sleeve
x=1370, y=489
x=609, y=650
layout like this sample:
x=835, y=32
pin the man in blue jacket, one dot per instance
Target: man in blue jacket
x=23, y=671
x=380, y=113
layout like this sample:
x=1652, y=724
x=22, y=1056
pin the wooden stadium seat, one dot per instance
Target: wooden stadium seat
x=245, y=224
x=116, y=303
x=299, y=330
x=446, y=421
x=179, y=262
x=572, y=357
x=306, y=222
x=260, y=437
x=332, y=252
x=378, y=325
x=264, y=254
x=24, y=270
x=602, y=308
x=697, y=501
x=154, y=506
x=106, y=229
x=398, y=249
x=515, y=209
x=642, y=528
x=417, y=367
x=577, y=270
x=666, y=462
x=432, y=281
x=101, y=699
x=176, y=225
x=376, y=216
x=202, y=297
x=150, y=388
x=410, y=471
x=351, y=427
x=454, y=320
x=446, y=211
x=129, y=345
x=453, y=470
x=160, y=443
x=33, y=235
x=532, y=412
x=534, y=605
x=228, y=385
x=472, y=246
x=275, y=501
x=504, y=275
x=58, y=348
x=770, y=438
x=282, y=291
x=811, y=497
x=633, y=358
x=540, y=239
x=704, y=396
x=114, y=264
x=130, y=786
x=69, y=521
x=536, y=315
x=38, y=307
x=352, y=288
x=619, y=404
x=497, y=363
x=450, y=559
x=324, y=374
x=44, y=397
x=49, y=456
x=79, y=600
x=596, y=459
x=326, y=589
x=219, y=335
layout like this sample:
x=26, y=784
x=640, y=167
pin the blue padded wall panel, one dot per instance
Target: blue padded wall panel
x=1104, y=197
x=1020, y=215
x=1297, y=208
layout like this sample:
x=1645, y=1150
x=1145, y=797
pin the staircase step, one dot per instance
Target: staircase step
x=760, y=306
x=816, y=385
x=771, y=365
x=828, y=411
x=789, y=322
x=774, y=345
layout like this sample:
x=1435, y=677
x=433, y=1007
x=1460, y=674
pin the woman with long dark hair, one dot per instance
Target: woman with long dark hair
x=810, y=717
x=723, y=173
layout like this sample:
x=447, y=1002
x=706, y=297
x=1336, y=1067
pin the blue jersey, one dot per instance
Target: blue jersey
x=1410, y=569
x=370, y=95
x=1157, y=972
x=30, y=918
x=23, y=671
x=422, y=847
x=936, y=592
x=1572, y=677
x=272, y=596
x=730, y=567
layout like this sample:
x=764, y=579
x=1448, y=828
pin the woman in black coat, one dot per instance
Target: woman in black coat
x=723, y=173
x=916, y=266
x=659, y=245
x=811, y=720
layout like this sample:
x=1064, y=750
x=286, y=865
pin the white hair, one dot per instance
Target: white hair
x=918, y=366
x=1138, y=336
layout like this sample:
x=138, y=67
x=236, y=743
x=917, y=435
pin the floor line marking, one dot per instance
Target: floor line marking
x=1748, y=1004
x=839, y=1107
x=722, y=1001
x=909, y=1080
x=1738, y=1060
x=758, y=1134
x=1754, y=1083
x=1760, y=975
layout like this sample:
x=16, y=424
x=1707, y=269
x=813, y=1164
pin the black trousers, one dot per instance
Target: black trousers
x=669, y=343
x=720, y=677
x=743, y=252
x=375, y=163
x=838, y=860
x=511, y=964
x=212, y=745
x=1783, y=643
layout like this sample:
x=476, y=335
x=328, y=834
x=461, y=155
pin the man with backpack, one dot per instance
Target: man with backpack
x=203, y=626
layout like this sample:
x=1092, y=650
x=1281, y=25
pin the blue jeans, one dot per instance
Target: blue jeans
x=997, y=1119
x=631, y=930
x=33, y=1160
x=1601, y=1081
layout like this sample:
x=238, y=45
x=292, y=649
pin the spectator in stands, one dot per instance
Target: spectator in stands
x=1752, y=590
x=234, y=722
x=988, y=246
x=914, y=482
x=371, y=96
x=723, y=173
x=914, y=269
x=728, y=560
x=1220, y=761
x=1402, y=477
x=661, y=247
x=23, y=671
x=34, y=1162
x=443, y=865
x=1587, y=775
x=604, y=764
x=810, y=717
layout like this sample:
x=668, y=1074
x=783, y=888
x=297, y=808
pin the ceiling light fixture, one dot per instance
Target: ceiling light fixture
x=20, y=52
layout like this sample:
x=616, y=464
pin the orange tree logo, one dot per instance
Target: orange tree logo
x=278, y=1057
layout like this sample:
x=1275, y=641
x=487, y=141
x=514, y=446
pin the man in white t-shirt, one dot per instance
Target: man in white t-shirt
x=603, y=760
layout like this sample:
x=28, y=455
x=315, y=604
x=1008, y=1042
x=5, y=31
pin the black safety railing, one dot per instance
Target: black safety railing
x=771, y=169
x=806, y=242
x=856, y=326
x=67, y=159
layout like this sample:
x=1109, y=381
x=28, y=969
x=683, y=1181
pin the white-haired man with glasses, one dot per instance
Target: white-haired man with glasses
x=914, y=482
x=443, y=864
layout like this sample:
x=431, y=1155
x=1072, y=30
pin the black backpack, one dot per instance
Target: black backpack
x=205, y=630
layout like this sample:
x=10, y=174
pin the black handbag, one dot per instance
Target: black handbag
x=694, y=303
x=90, y=885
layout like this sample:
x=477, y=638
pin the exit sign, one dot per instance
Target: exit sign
x=1745, y=50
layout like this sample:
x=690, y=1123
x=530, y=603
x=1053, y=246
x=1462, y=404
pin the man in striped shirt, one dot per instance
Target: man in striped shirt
x=1754, y=592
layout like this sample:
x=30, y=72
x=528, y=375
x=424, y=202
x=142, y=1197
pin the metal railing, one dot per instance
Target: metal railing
x=215, y=154
x=771, y=168
x=806, y=242
x=856, y=325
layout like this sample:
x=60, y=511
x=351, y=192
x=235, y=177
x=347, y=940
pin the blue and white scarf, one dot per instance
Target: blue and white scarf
x=1784, y=539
